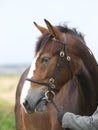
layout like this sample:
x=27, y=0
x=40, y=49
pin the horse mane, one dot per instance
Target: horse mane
x=73, y=31
x=64, y=29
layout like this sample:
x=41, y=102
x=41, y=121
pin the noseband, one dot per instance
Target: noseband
x=51, y=84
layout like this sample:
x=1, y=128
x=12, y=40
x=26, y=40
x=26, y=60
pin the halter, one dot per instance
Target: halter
x=51, y=83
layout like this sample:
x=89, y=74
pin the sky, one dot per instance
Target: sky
x=18, y=34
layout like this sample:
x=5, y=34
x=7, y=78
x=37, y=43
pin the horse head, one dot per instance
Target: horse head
x=60, y=54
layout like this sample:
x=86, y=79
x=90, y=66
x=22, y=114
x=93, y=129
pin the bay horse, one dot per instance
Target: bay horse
x=63, y=73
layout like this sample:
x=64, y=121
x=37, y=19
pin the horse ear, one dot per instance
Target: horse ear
x=40, y=28
x=49, y=26
x=53, y=30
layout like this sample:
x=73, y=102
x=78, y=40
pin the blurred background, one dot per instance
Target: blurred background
x=18, y=37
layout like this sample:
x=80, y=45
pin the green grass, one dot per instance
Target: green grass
x=8, y=86
x=7, y=118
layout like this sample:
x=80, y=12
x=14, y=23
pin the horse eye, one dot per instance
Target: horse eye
x=45, y=60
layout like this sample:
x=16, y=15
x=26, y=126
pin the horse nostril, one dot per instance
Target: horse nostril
x=26, y=105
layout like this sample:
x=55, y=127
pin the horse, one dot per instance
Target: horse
x=63, y=74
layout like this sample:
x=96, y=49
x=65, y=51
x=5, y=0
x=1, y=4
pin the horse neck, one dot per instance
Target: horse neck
x=68, y=97
x=88, y=89
x=94, y=76
x=89, y=62
x=93, y=72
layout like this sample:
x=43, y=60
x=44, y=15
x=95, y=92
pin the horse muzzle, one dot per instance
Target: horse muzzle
x=40, y=106
x=34, y=101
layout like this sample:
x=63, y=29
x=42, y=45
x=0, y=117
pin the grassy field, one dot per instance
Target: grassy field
x=8, y=86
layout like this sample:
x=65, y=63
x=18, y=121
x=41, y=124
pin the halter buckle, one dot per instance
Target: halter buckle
x=47, y=98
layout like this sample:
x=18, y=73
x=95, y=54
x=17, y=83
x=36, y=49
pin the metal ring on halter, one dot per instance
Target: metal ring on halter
x=46, y=96
x=51, y=81
x=62, y=54
x=68, y=58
